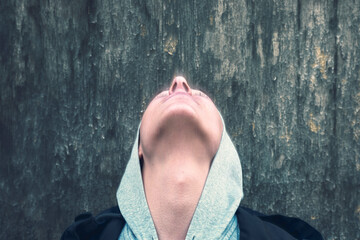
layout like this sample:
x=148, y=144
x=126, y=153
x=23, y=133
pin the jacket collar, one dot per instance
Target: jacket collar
x=223, y=189
x=131, y=198
x=221, y=195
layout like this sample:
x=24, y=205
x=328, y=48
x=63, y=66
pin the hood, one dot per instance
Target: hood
x=218, y=203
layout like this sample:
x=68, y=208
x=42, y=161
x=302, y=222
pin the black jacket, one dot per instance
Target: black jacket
x=253, y=225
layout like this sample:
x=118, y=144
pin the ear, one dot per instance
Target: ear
x=140, y=151
x=141, y=156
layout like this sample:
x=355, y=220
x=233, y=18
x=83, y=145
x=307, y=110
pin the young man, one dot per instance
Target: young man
x=184, y=181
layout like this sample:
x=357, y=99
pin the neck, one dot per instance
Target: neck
x=173, y=182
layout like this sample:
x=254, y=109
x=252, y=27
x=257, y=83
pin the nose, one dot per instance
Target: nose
x=179, y=84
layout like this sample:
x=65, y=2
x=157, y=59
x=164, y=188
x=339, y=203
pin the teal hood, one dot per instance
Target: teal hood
x=214, y=217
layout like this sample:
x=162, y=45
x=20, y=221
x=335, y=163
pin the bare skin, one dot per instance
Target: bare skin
x=179, y=135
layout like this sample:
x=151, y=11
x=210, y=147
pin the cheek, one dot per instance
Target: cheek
x=145, y=132
x=213, y=121
x=149, y=111
x=146, y=121
x=150, y=119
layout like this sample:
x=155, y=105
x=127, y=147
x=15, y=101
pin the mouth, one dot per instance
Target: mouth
x=181, y=96
x=179, y=93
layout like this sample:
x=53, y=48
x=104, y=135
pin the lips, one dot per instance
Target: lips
x=178, y=93
x=181, y=95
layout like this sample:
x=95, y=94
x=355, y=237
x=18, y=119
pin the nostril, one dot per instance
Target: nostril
x=179, y=84
x=174, y=86
x=186, y=87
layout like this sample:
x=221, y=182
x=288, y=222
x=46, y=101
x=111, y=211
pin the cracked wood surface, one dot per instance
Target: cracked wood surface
x=77, y=75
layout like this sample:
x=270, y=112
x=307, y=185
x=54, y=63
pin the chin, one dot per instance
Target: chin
x=182, y=111
x=182, y=122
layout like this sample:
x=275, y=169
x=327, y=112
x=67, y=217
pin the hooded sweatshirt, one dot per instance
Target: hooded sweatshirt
x=214, y=216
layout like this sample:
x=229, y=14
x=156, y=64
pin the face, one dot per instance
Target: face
x=177, y=111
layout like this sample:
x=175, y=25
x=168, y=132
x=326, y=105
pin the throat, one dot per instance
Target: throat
x=173, y=189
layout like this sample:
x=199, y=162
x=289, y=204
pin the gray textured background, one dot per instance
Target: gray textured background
x=75, y=77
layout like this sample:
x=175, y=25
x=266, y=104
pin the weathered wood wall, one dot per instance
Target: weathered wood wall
x=75, y=77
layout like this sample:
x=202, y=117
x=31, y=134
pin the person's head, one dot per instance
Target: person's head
x=180, y=118
x=180, y=134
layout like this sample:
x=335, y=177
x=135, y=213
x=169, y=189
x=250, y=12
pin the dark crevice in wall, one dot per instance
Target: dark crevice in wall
x=334, y=27
x=332, y=172
x=298, y=15
x=298, y=80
